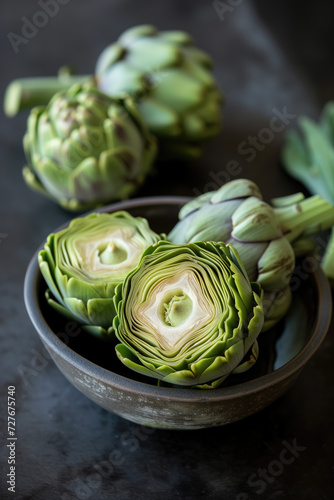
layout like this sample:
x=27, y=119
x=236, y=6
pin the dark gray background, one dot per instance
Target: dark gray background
x=267, y=55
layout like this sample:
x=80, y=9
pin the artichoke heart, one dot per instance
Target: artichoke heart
x=174, y=309
x=108, y=254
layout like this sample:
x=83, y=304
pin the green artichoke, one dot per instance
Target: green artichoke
x=170, y=79
x=85, y=149
x=267, y=238
x=172, y=83
x=188, y=315
x=310, y=160
x=83, y=263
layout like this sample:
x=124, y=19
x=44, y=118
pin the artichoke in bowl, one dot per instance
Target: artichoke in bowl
x=83, y=263
x=267, y=238
x=188, y=315
x=85, y=149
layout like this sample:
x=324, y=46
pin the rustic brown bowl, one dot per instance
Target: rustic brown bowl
x=92, y=367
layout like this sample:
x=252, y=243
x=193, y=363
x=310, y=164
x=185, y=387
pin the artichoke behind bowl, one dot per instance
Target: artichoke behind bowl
x=172, y=83
x=85, y=149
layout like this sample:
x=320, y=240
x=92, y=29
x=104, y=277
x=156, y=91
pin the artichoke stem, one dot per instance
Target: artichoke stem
x=302, y=218
x=26, y=93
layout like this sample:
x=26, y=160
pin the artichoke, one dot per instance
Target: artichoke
x=83, y=263
x=85, y=149
x=172, y=83
x=170, y=79
x=266, y=237
x=187, y=315
x=310, y=160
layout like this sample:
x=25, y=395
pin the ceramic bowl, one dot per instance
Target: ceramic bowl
x=92, y=366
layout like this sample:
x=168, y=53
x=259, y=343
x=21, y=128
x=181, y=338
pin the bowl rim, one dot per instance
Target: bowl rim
x=120, y=382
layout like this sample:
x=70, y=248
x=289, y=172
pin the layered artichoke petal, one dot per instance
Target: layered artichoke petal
x=122, y=79
x=276, y=265
x=238, y=189
x=78, y=308
x=198, y=72
x=250, y=254
x=101, y=312
x=198, y=56
x=109, y=56
x=255, y=220
x=189, y=95
x=194, y=126
x=160, y=118
x=63, y=310
x=161, y=54
x=177, y=37
x=49, y=278
x=207, y=225
x=54, y=179
x=131, y=34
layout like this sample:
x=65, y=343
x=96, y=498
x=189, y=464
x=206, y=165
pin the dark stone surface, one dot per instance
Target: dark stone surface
x=69, y=448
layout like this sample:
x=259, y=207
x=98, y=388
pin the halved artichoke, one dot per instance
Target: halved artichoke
x=188, y=314
x=83, y=263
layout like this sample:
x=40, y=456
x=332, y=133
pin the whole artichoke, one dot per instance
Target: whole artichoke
x=170, y=79
x=267, y=238
x=188, y=315
x=85, y=149
x=83, y=263
x=172, y=83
